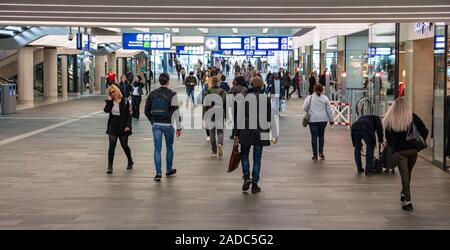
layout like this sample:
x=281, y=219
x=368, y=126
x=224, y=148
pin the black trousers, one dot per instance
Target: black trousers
x=112, y=147
x=286, y=91
x=406, y=160
x=135, y=105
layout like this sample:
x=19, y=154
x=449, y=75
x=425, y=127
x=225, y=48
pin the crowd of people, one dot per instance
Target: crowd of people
x=162, y=110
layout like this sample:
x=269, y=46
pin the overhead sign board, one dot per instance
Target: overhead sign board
x=380, y=51
x=190, y=50
x=86, y=42
x=255, y=43
x=146, y=41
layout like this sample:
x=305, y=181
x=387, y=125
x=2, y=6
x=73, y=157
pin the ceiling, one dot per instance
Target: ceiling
x=218, y=13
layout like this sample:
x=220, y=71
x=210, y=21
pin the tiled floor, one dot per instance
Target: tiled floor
x=53, y=163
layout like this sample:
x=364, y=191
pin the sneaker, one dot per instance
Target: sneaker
x=322, y=156
x=172, y=172
x=314, y=158
x=402, y=198
x=208, y=138
x=246, y=185
x=408, y=206
x=255, y=188
x=360, y=170
x=219, y=151
x=213, y=154
x=157, y=178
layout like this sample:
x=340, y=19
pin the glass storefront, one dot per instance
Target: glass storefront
x=440, y=130
x=382, y=69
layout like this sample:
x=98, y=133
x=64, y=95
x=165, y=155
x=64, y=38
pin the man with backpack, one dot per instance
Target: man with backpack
x=161, y=108
x=190, y=82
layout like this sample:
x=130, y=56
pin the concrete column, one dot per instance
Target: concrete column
x=50, y=73
x=112, y=62
x=64, y=76
x=25, y=74
x=120, y=67
x=99, y=70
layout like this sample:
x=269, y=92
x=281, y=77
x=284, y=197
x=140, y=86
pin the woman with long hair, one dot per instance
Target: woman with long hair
x=397, y=121
x=119, y=125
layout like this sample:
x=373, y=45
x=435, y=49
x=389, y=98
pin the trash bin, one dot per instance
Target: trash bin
x=103, y=85
x=8, y=98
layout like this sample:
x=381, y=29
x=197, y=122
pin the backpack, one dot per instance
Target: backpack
x=160, y=106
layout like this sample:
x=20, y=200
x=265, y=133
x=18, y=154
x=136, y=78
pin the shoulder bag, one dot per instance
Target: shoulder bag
x=305, y=120
x=414, y=138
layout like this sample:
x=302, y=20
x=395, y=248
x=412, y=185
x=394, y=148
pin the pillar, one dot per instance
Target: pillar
x=64, y=71
x=50, y=73
x=120, y=67
x=99, y=71
x=112, y=62
x=25, y=74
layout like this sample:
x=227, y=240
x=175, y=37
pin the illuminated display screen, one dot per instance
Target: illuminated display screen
x=146, y=41
x=255, y=43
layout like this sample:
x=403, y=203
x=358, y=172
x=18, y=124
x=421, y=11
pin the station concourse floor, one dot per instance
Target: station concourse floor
x=53, y=176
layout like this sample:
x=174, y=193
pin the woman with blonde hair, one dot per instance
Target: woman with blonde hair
x=397, y=121
x=119, y=125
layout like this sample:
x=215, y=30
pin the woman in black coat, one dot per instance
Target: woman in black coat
x=397, y=121
x=136, y=95
x=312, y=82
x=119, y=125
x=247, y=136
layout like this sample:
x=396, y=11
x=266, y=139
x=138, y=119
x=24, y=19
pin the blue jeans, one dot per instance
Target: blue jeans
x=317, y=132
x=158, y=132
x=190, y=93
x=358, y=137
x=257, y=155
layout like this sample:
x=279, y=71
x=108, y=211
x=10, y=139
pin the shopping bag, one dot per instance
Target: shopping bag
x=235, y=158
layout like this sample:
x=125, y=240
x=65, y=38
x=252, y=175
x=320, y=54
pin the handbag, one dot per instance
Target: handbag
x=235, y=158
x=305, y=120
x=414, y=138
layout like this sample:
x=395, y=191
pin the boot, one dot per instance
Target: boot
x=130, y=164
x=110, y=168
x=247, y=182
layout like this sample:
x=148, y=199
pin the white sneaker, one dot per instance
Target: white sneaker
x=213, y=155
x=208, y=138
x=219, y=151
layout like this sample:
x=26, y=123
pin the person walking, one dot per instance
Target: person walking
x=178, y=68
x=276, y=89
x=136, y=96
x=183, y=74
x=364, y=130
x=248, y=136
x=287, y=82
x=215, y=124
x=323, y=78
x=296, y=84
x=312, y=82
x=160, y=109
x=190, y=83
x=319, y=109
x=224, y=84
x=118, y=126
x=397, y=122
x=125, y=87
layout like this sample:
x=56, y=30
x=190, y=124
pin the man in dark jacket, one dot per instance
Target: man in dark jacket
x=364, y=129
x=323, y=78
x=161, y=108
